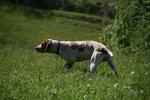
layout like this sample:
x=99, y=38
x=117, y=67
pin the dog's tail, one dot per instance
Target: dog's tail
x=105, y=50
x=108, y=51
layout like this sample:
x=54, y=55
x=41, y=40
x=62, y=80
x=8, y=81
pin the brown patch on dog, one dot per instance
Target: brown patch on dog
x=73, y=45
x=79, y=46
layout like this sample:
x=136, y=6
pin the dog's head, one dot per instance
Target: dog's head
x=43, y=46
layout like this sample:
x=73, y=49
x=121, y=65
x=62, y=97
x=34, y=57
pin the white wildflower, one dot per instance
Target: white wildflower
x=88, y=85
x=85, y=97
x=15, y=71
x=46, y=87
x=126, y=87
x=133, y=72
x=92, y=92
x=141, y=91
x=146, y=73
x=54, y=91
x=130, y=61
x=90, y=79
x=115, y=85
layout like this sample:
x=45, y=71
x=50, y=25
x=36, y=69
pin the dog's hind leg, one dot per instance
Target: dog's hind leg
x=111, y=63
x=96, y=58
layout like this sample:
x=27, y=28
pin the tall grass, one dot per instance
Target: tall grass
x=28, y=75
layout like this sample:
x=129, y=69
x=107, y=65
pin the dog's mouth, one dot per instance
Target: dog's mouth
x=39, y=49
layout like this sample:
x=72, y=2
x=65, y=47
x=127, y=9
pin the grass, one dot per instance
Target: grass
x=27, y=75
x=33, y=28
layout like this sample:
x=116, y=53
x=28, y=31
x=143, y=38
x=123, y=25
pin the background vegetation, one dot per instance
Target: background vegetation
x=131, y=24
x=96, y=7
x=27, y=75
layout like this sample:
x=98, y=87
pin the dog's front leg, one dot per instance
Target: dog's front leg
x=68, y=65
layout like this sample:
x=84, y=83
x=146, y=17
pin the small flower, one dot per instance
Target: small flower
x=46, y=88
x=126, y=87
x=66, y=75
x=130, y=61
x=54, y=91
x=146, y=73
x=85, y=97
x=133, y=72
x=88, y=85
x=90, y=79
x=92, y=92
x=115, y=85
x=15, y=71
x=141, y=91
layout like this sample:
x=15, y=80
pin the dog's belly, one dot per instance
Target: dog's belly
x=76, y=57
x=83, y=56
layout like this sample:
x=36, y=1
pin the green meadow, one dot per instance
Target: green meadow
x=28, y=75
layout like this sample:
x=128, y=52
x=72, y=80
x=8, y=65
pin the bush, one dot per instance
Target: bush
x=130, y=24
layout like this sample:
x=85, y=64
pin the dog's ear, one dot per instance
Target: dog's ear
x=45, y=44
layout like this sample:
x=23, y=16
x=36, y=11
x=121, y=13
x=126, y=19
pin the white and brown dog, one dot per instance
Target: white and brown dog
x=74, y=51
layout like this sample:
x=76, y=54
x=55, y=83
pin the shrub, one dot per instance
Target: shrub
x=130, y=23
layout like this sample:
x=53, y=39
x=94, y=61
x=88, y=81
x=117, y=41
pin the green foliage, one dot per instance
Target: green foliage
x=131, y=16
x=95, y=7
x=109, y=36
x=147, y=39
x=131, y=23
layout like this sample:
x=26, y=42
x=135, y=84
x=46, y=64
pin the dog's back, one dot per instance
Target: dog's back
x=82, y=50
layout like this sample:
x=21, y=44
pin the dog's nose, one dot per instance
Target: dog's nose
x=37, y=49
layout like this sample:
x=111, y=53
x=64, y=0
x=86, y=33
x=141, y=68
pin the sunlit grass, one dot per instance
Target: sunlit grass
x=27, y=74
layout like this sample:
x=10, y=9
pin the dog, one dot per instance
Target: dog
x=75, y=51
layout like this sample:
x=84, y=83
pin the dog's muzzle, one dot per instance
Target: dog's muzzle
x=39, y=49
